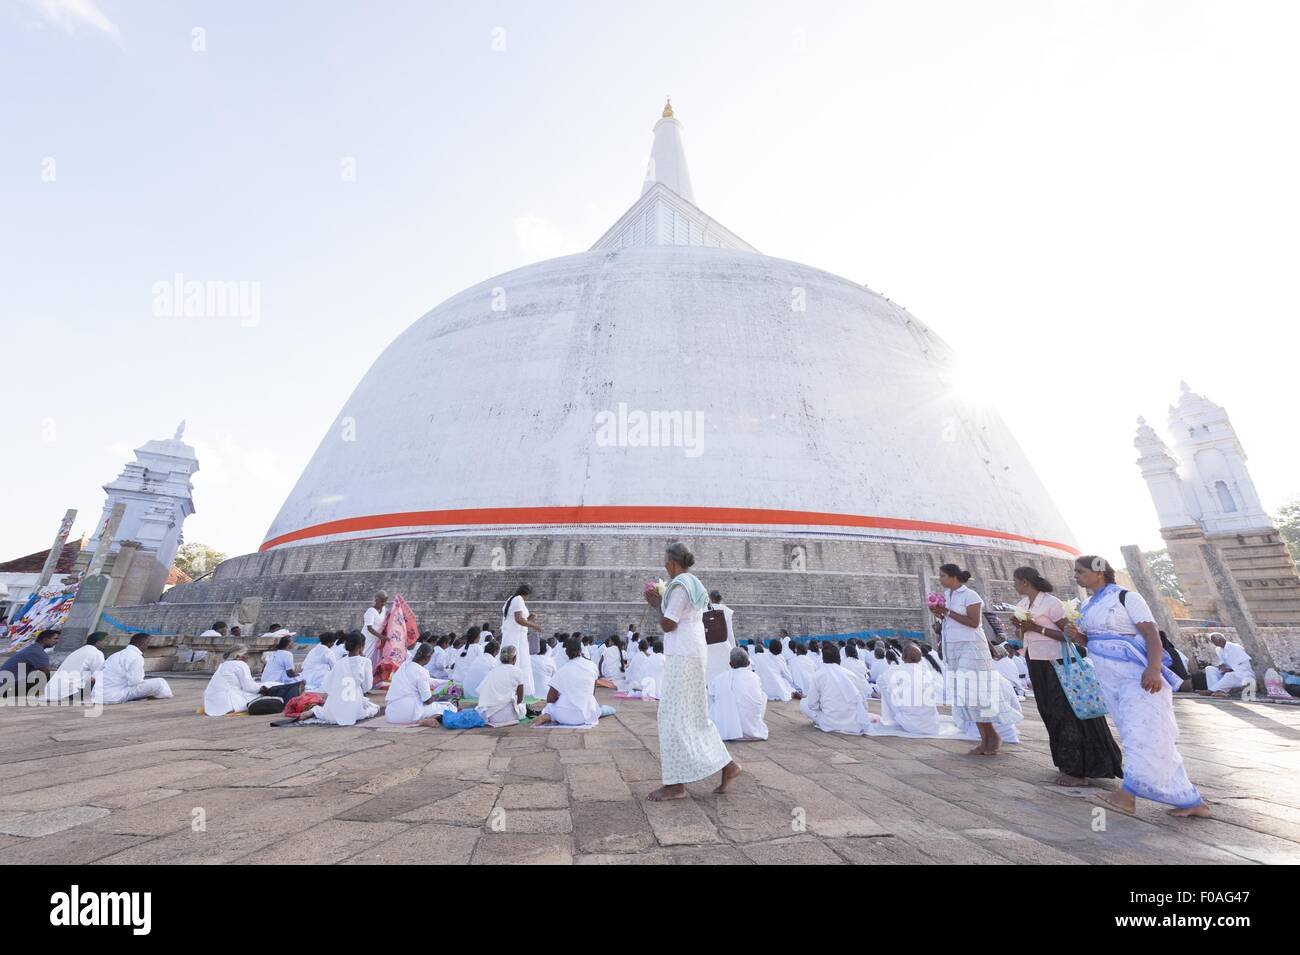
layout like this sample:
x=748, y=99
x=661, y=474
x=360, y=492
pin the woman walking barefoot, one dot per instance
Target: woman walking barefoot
x=690, y=746
x=1133, y=670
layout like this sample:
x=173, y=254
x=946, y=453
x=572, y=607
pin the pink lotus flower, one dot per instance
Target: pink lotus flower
x=936, y=600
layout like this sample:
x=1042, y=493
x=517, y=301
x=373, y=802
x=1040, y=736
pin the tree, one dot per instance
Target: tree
x=1162, y=569
x=1288, y=526
x=197, y=559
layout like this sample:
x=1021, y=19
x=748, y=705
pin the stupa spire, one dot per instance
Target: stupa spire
x=668, y=157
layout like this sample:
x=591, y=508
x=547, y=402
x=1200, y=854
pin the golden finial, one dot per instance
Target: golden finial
x=668, y=109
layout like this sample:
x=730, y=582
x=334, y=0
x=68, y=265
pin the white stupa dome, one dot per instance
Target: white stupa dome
x=671, y=377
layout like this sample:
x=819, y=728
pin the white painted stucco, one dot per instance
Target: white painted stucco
x=847, y=406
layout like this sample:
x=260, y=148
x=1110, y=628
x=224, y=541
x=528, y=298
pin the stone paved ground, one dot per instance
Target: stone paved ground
x=129, y=785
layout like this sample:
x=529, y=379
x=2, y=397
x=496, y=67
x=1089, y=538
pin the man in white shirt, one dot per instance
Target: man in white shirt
x=908, y=696
x=835, y=700
x=737, y=703
x=410, y=693
x=77, y=670
x=1233, y=670
x=483, y=664
x=571, y=699
x=501, y=694
x=122, y=679
x=372, y=626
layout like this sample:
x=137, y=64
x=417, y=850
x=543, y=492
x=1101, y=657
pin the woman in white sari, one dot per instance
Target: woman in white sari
x=1132, y=668
x=516, y=621
x=689, y=745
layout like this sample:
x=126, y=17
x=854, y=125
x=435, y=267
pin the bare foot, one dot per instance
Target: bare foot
x=977, y=751
x=729, y=773
x=991, y=751
x=432, y=721
x=1116, y=801
x=665, y=793
x=1064, y=780
x=1199, y=811
x=541, y=720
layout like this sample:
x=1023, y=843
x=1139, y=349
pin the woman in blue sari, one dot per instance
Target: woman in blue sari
x=1132, y=668
x=690, y=747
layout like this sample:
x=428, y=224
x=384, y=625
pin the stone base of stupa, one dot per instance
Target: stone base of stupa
x=805, y=583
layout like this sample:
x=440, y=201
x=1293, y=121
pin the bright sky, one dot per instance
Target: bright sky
x=1090, y=201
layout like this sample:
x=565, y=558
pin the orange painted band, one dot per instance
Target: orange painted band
x=634, y=514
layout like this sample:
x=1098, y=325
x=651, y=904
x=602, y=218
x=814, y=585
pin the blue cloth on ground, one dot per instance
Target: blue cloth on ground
x=464, y=720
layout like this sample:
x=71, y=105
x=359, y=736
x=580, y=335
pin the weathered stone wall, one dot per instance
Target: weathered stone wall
x=593, y=584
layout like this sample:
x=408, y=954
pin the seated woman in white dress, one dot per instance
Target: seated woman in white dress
x=852, y=662
x=77, y=672
x=277, y=664
x=484, y=663
x=636, y=665
x=613, y=664
x=461, y=660
x=737, y=703
x=543, y=672
x=122, y=679
x=802, y=668
x=232, y=686
x=835, y=701
x=320, y=660
x=571, y=700
x=774, y=675
x=651, y=678
x=437, y=665
x=346, y=687
x=410, y=694
x=501, y=693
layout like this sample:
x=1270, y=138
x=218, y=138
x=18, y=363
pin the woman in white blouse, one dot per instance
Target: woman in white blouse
x=976, y=685
x=690, y=747
x=1137, y=685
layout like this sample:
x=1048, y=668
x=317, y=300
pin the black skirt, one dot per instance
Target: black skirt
x=1081, y=748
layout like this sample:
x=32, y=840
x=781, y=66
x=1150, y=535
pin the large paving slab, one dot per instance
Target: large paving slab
x=152, y=782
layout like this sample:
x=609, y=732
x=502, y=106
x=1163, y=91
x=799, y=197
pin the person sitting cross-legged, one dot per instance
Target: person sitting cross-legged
x=571, y=700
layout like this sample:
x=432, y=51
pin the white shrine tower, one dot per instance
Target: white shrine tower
x=1202, y=492
x=156, y=491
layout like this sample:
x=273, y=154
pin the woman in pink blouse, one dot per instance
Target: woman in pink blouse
x=1080, y=748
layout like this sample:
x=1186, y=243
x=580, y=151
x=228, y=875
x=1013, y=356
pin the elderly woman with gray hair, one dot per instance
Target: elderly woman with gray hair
x=690, y=747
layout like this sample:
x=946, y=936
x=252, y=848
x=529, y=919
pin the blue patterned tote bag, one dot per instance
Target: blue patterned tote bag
x=1079, y=683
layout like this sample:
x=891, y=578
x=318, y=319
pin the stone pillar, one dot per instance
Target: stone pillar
x=56, y=549
x=106, y=540
x=1233, y=603
x=923, y=587
x=1145, y=582
x=126, y=555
